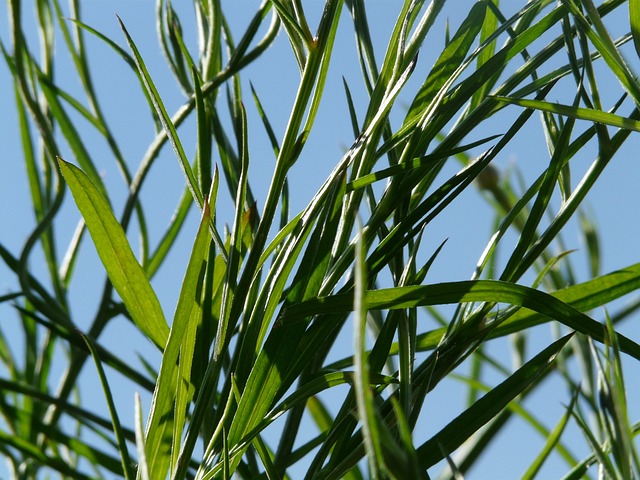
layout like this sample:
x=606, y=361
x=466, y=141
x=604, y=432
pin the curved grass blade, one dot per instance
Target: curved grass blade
x=487, y=407
x=460, y=292
x=579, y=113
x=584, y=297
x=33, y=451
x=72, y=336
x=118, y=259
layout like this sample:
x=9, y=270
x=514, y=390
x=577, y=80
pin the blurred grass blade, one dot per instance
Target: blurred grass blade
x=464, y=425
x=36, y=453
x=579, y=113
x=550, y=444
x=129, y=474
x=121, y=265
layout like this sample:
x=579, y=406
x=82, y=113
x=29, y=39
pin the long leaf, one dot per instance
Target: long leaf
x=165, y=119
x=579, y=113
x=117, y=427
x=118, y=259
x=460, y=292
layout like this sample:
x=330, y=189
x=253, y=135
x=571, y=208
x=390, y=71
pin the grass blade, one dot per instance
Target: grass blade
x=167, y=416
x=579, y=113
x=165, y=119
x=364, y=396
x=634, y=19
x=114, y=250
x=461, y=292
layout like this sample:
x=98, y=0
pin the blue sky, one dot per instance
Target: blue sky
x=467, y=225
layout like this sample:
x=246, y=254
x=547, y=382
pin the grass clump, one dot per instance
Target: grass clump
x=326, y=307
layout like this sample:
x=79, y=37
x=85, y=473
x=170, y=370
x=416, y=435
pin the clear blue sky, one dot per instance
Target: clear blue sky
x=614, y=202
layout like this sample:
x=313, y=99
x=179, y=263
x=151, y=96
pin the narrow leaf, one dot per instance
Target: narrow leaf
x=117, y=427
x=461, y=292
x=579, y=113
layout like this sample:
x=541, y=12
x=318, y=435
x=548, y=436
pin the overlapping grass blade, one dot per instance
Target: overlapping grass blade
x=364, y=396
x=172, y=392
x=33, y=451
x=165, y=119
x=585, y=296
x=461, y=292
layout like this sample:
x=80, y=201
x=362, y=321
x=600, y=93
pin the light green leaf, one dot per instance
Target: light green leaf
x=118, y=259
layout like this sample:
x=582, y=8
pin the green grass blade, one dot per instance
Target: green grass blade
x=167, y=416
x=461, y=292
x=235, y=248
x=597, y=32
x=579, y=113
x=203, y=152
x=112, y=245
x=143, y=469
x=165, y=119
x=599, y=451
x=550, y=444
x=364, y=395
x=35, y=452
x=170, y=235
x=584, y=297
x=634, y=20
x=450, y=59
x=73, y=138
x=487, y=407
x=422, y=161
